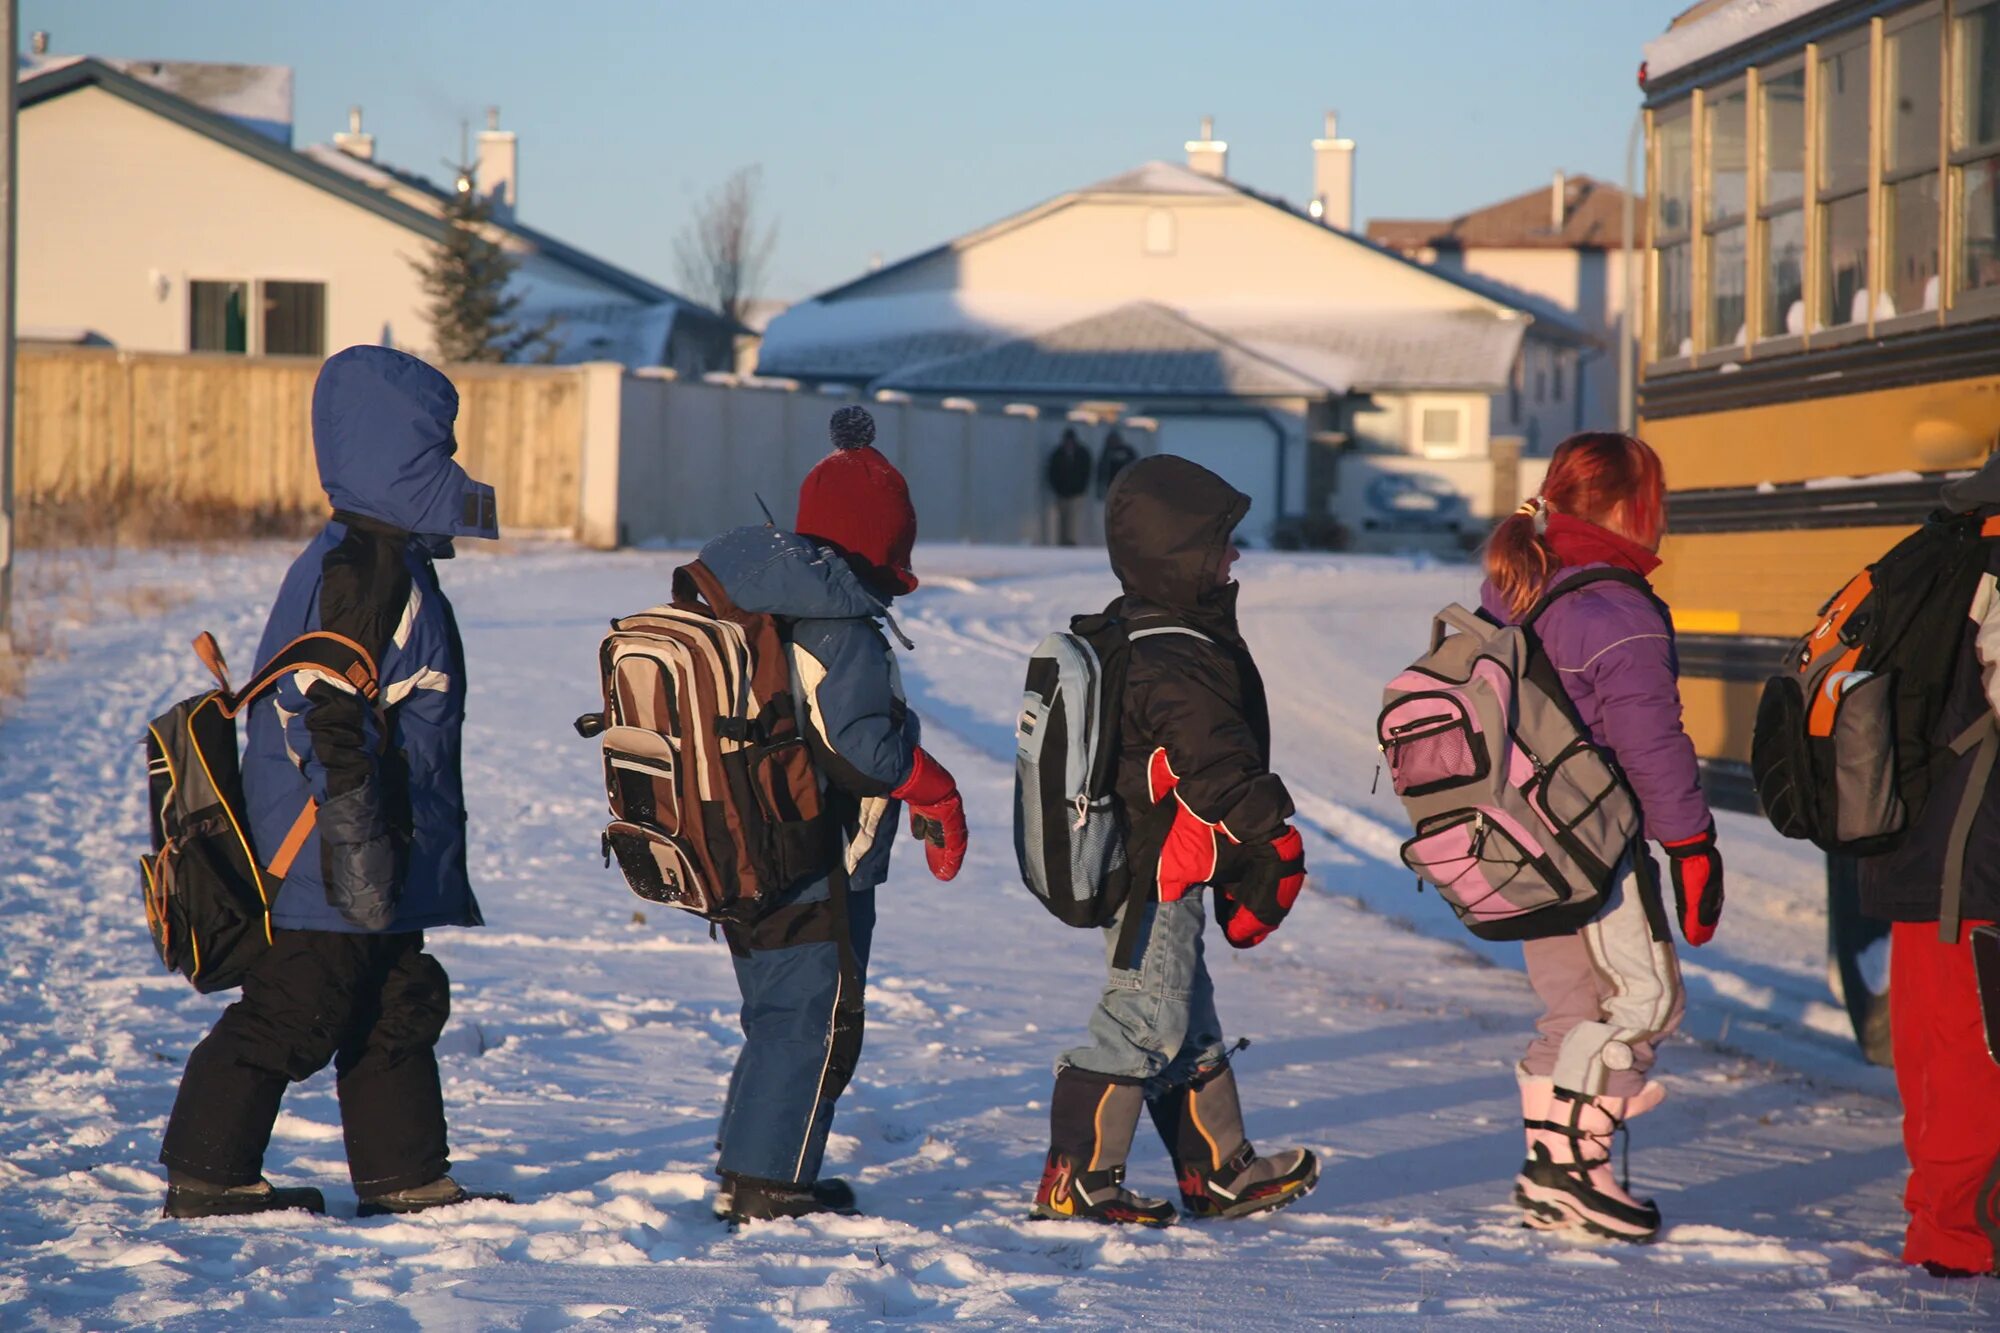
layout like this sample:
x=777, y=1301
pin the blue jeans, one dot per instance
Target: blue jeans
x=1155, y=1024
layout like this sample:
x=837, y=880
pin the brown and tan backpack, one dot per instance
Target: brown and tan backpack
x=716, y=805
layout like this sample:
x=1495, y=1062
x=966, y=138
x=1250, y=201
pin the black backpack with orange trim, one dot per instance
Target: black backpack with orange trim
x=208, y=895
x=1845, y=751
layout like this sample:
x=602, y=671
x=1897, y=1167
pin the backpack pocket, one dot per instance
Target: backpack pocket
x=1781, y=761
x=1430, y=743
x=640, y=769
x=1586, y=807
x=658, y=868
x=797, y=843
x=1866, y=803
x=1489, y=873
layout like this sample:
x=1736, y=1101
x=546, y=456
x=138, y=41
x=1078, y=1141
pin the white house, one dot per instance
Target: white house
x=1269, y=341
x=1563, y=244
x=163, y=208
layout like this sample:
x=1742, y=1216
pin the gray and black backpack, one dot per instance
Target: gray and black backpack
x=1068, y=834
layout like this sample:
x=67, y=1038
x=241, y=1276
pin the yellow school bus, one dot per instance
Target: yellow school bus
x=1819, y=345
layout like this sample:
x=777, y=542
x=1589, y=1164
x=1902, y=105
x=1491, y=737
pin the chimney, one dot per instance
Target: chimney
x=1208, y=155
x=352, y=141
x=497, y=173
x=1333, y=178
x=39, y=43
x=1558, y=202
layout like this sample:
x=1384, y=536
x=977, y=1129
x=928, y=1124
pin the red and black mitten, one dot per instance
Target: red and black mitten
x=1696, y=864
x=1257, y=900
x=937, y=815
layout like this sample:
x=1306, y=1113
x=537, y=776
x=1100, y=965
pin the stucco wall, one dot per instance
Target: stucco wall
x=120, y=209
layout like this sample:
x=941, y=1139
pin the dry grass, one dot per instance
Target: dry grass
x=76, y=539
x=129, y=518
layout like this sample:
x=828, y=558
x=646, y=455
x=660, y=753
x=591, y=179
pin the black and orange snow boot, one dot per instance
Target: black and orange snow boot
x=1221, y=1175
x=1092, y=1118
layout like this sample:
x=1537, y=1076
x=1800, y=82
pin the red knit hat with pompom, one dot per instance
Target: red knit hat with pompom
x=856, y=501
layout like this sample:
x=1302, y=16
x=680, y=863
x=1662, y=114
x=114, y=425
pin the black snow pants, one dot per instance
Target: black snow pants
x=372, y=1005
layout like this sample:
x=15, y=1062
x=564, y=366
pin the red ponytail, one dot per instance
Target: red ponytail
x=1602, y=477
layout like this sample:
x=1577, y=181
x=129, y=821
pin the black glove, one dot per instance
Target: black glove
x=358, y=860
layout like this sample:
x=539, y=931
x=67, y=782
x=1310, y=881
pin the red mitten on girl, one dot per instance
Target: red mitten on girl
x=1697, y=869
x=937, y=815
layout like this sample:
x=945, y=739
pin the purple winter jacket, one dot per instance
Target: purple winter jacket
x=1615, y=654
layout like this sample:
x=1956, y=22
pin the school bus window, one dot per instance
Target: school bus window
x=1912, y=109
x=1843, y=184
x=1726, y=224
x=1673, y=216
x=1976, y=147
x=1781, y=207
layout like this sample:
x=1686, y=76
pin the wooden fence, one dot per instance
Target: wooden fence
x=235, y=432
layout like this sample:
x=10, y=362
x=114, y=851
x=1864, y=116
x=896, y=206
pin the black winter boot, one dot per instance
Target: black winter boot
x=1091, y=1122
x=1221, y=1175
x=747, y=1199
x=190, y=1197
x=440, y=1193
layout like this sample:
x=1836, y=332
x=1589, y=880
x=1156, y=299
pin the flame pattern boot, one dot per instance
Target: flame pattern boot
x=1221, y=1175
x=1092, y=1118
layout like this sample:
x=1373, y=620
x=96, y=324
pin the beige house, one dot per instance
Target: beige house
x=1329, y=378
x=162, y=208
x=1562, y=244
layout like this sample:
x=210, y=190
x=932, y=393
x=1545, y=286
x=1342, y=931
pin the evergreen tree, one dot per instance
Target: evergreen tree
x=465, y=277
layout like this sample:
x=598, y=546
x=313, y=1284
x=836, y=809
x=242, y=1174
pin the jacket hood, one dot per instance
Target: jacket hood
x=382, y=434
x=1167, y=524
x=777, y=573
x=1977, y=491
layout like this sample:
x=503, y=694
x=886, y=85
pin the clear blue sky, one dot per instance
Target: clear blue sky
x=888, y=127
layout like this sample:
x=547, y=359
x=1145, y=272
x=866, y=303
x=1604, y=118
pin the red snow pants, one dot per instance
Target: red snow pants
x=1951, y=1100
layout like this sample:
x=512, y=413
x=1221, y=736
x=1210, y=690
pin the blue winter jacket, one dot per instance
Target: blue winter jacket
x=386, y=852
x=844, y=678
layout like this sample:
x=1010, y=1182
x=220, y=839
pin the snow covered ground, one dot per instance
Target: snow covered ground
x=592, y=1035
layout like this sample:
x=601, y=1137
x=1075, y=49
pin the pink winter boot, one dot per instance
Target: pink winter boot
x=1567, y=1179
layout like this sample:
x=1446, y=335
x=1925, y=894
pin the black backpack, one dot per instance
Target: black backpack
x=208, y=898
x=1845, y=751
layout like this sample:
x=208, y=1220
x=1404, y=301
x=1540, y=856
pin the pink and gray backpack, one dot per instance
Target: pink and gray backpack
x=1521, y=822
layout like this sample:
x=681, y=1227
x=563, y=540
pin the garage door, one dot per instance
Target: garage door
x=1243, y=451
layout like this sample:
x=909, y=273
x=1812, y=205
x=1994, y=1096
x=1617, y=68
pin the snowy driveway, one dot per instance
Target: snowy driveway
x=591, y=1037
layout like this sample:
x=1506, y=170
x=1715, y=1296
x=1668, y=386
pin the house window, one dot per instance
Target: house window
x=1911, y=126
x=1556, y=378
x=1442, y=430
x=294, y=318
x=1975, y=144
x=1781, y=207
x=1726, y=224
x=218, y=317
x=1843, y=184
x=1159, y=232
x=1673, y=252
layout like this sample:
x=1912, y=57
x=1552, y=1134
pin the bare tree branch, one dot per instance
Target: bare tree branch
x=722, y=255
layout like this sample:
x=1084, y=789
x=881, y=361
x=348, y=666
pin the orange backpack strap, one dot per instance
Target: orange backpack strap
x=696, y=586
x=295, y=838
x=334, y=654
x=210, y=653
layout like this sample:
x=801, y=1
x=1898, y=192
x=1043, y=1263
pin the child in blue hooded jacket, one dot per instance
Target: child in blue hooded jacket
x=368, y=807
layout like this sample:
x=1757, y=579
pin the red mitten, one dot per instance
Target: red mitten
x=1696, y=864
x=1257, y=902
x=937, y=815
x=1193, y=847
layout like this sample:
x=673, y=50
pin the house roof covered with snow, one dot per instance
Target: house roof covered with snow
x=921, y=325
x=1593, y=219
x=1710, y=30
x=405, y=198
x=1147, y=349
x=1141, y=348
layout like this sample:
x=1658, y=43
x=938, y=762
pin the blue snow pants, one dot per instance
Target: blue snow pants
x=801, y=1035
